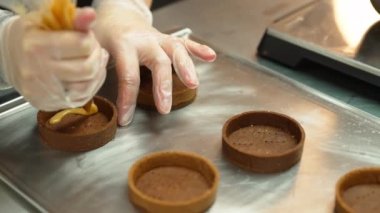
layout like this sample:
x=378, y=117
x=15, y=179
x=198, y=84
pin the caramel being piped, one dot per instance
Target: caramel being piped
x=59, y=15
x=80, y=111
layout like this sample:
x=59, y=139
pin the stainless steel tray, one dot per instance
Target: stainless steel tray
x=338, y=139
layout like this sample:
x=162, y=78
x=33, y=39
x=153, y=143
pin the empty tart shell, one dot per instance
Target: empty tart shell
x=173, y=181
x=77, y=133
x=358, y=191
x=181, y=95
x=262, y=141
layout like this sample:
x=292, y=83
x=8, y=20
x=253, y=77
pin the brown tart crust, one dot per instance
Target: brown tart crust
x=77, y=133
x=262, y=141
x=358, y=191
x=182, y=96
x=173, y=181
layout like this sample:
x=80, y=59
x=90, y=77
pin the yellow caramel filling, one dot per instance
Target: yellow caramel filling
x=79, y=111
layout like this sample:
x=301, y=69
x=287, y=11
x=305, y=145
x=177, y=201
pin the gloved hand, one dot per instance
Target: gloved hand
x=124, y=28
x=52, y=69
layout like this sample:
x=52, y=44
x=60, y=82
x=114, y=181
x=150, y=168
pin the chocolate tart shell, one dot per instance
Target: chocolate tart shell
x=79, y=142
x=193, y=162
x=275, y=126
x=354, y=178
x=181, y=95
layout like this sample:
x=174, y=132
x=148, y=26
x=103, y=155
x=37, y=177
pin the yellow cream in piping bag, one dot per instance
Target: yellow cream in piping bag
x=59, y=15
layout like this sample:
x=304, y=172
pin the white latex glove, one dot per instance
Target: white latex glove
x=53, y=69
x=124, y=28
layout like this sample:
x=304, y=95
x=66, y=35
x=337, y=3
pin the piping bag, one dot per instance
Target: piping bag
x=59, y=15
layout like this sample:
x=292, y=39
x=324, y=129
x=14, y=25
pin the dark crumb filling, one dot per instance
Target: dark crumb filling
x=172, y=183
x=262, y=139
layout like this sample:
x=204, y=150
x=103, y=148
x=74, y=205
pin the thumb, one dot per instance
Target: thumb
x=84, y=19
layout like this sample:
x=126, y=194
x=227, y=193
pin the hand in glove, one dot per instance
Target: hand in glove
x=52, y=69
x=124, y=28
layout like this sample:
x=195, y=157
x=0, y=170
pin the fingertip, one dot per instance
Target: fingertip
x=201, y=51
x=210, y=58
x=87, y=12
x=209, y=54
x=185, y=68
x=164, y=110
x=125, y=115
x=163, y=100
x=125, y=111
x=163, y=97
x=209, y=50
x=190, y=80
x=193, y=85
x=84, y=19
x=123, y=122
x=164, y=106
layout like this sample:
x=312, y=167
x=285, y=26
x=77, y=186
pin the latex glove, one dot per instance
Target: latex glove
x=124, y=28
x=53, y=69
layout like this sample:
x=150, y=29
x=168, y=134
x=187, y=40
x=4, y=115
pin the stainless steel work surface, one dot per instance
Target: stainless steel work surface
x=8, y=201
x=331, y=27
x=338, y=139
x=235, y=27
x=329, y=33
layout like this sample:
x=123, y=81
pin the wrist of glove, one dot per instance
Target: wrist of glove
x=136, y=6
x=111, y=13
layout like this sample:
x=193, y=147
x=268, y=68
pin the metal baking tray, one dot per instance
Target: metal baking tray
x=338, y=138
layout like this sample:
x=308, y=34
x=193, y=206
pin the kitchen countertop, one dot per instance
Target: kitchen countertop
x=10, y=201
x=236, y=27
